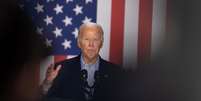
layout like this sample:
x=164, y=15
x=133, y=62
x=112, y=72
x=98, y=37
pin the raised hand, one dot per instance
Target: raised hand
x=52, y=73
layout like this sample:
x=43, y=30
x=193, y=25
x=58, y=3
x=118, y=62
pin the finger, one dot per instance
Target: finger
x=58, y=68
x=51, y=67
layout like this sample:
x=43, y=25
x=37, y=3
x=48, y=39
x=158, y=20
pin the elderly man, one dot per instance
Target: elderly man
x=87, y=76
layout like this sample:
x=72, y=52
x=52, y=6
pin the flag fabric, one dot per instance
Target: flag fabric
x=134, y=30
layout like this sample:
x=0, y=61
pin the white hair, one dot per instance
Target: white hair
x=91, y=24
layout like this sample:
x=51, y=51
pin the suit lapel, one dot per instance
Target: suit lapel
x=76, y=72
x=102, y=79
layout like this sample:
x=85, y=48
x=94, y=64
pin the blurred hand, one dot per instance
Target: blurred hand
x=52, y=73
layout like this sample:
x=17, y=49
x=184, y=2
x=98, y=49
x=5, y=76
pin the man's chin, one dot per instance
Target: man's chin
x=91, y=57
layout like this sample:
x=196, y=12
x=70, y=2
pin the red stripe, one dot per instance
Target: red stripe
x=117, y=30
x=145, y=29
x=59, y=58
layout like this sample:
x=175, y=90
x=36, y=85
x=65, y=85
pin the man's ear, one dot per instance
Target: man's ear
x=78, y=43
x=101, y=44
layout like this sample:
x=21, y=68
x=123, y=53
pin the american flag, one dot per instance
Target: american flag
x=134, y=30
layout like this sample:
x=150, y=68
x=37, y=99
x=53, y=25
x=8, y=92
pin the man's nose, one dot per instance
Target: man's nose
x=91, y=43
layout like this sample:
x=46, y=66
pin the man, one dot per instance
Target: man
x=87, y=76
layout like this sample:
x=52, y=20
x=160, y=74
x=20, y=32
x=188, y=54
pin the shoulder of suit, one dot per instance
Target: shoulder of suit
x=66, y=61
x=69, y=64
x=112, y=66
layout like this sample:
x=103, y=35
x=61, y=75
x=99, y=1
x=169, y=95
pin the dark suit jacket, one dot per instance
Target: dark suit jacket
x=68, y=83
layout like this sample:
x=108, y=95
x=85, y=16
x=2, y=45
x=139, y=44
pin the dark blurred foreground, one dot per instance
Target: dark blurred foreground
x=174, y=76
x=21, y=52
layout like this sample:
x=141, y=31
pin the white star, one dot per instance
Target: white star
x=86, y=20
x=57, y=32
x=58, y=9
x=78, y=9
x=48, y=43
x=39, y=8
x=48, y=20
x=87, y=1
x=67, y=21
x=67, y=1
x=39, y=30
x=66, y=44
x=75, y=33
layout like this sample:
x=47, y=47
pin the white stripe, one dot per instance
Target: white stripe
x=158, y=27
x=44, y=65
x=70, y=56
x=104, y=19
x=131, y=33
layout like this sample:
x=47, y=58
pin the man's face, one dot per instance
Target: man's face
x=90, y=43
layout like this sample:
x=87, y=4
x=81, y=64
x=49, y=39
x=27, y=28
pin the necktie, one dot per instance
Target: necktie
x=88, y=89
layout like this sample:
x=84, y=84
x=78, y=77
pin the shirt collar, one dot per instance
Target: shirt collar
x=95, y=65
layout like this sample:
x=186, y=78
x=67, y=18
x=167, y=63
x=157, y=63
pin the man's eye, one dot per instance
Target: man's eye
x=86, y=39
